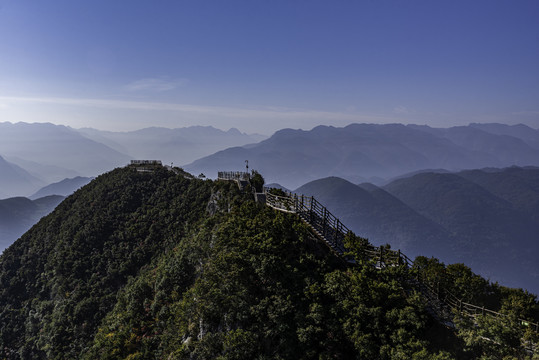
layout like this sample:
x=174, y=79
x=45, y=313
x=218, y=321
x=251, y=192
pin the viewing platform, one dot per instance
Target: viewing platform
x=241, y=177
x=146, y=165
x=233, y=175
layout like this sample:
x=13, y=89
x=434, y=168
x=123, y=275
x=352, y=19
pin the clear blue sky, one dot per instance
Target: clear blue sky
x=264, y=65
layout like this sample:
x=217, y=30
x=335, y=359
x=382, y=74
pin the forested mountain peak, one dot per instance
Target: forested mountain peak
x=164, y=265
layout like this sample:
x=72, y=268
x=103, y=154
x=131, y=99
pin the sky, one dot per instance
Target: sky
x=263, y=65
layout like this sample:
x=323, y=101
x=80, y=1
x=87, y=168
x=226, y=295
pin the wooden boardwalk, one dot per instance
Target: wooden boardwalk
x=328, y=228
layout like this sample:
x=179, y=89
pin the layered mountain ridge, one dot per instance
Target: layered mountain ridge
x=376, y=153
x=14, y=179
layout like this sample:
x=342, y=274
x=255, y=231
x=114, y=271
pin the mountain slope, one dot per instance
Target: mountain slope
x=64, y=188
x=83, y=253
x=378, y=216
x=55, y=145
x=181, y=145
x=133, y=265
x=359, y=152
x=489, y=233
x=48, y=173
x=17, y=215
x=162, y=265
x=15, y=181
x=518, y=186
x=520, y=131
x=497, y=150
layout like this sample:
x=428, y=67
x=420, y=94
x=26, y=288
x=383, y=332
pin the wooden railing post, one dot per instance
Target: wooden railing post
x=324, y=221
x=311, y=211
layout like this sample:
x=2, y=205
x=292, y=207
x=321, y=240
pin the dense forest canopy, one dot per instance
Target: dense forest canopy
x=163, y=265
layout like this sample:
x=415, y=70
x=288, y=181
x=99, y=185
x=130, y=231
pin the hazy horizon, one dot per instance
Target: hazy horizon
x=225, y=129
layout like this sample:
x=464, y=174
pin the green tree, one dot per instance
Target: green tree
x=257, y=181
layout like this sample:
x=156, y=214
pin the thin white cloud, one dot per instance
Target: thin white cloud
x=402, y=110
x=275, y=113
x=154, y=85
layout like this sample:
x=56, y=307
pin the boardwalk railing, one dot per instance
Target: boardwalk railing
x=233, y=175
x=324, y=223
x=330, y=229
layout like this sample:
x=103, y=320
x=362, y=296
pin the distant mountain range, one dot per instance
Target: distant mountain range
x=488, y=219
x=358, y=152
x=19, y=214
x=375, y=153
x=56, y=147
x=518, y=131
x=181, y=145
